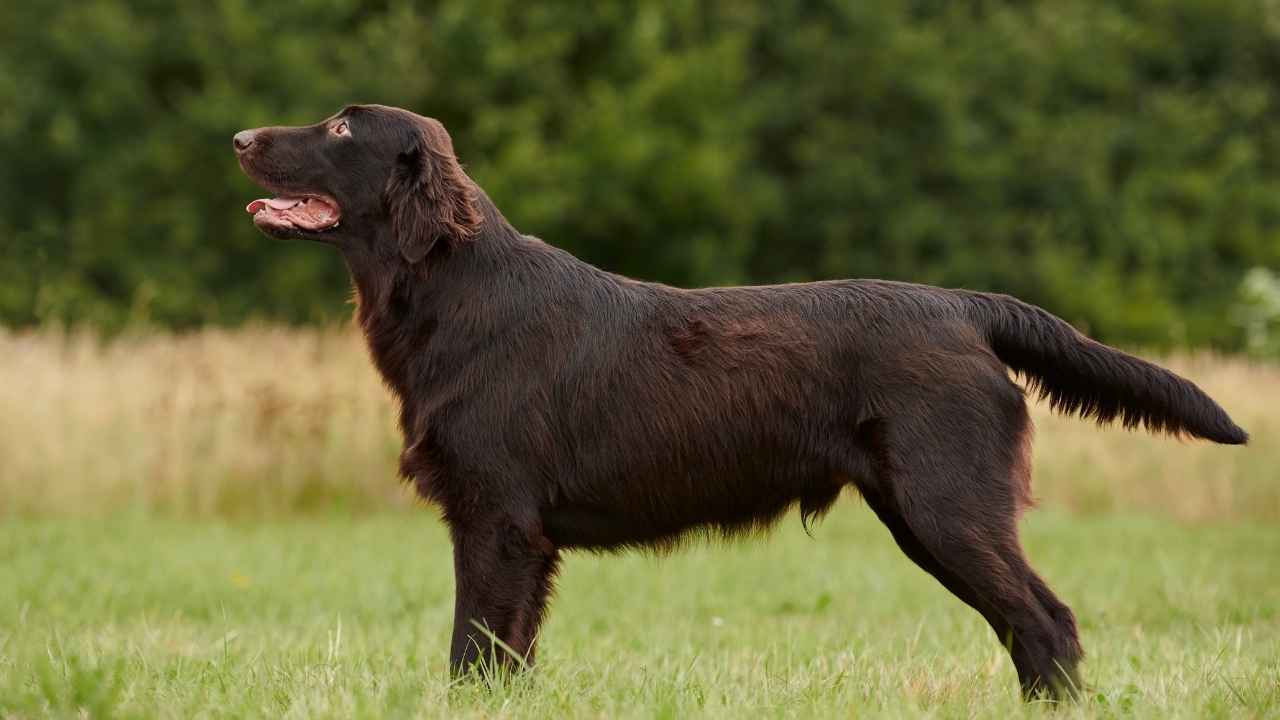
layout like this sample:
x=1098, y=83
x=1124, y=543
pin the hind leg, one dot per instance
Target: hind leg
x=1065, y=620
x=914, y=549
x=992, y=563
x=988, y=572
x=949, y=479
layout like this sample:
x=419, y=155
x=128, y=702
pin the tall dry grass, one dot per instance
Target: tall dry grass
x=269, y=420
x=261, y=419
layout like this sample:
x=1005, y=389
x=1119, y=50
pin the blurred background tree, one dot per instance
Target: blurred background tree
x=1115, y=162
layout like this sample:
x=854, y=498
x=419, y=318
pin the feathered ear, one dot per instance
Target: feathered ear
x=428, y=195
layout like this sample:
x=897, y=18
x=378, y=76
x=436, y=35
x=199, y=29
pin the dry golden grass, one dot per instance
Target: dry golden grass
x=268, y=420
x=262, y=419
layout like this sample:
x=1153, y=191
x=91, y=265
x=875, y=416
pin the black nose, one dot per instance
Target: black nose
x=243, y=140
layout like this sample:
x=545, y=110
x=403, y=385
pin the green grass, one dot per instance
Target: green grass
x=339, y=617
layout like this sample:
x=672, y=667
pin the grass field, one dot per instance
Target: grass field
x=342, y=617
x=209, y=525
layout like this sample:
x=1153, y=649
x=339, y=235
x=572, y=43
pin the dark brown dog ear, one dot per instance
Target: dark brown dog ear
x=428, y=195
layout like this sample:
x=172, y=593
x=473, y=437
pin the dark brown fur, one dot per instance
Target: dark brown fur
x=548, y=405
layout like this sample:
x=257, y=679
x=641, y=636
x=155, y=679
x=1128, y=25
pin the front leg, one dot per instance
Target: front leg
x=504, y=570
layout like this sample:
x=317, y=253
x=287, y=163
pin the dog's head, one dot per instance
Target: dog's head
x=368, y=174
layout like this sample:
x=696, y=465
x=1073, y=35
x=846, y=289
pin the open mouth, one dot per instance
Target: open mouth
x=312, y=213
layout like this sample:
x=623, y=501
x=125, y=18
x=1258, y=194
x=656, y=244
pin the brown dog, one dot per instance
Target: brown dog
x=549, y=405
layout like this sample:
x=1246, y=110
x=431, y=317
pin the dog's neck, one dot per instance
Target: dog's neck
x=400, y=308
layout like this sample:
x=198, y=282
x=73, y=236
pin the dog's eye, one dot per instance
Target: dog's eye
x=340, y=129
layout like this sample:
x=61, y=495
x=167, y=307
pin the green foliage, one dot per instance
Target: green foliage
x=1118, y=163
x=1258, y=312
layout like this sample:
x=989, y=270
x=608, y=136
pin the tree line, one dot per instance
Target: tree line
x=1115, y=161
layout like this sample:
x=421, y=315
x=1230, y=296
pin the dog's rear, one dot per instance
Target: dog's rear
x=951, y=468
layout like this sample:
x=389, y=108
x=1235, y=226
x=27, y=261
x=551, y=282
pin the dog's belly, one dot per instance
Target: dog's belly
x=582, y=526
x=657, y=520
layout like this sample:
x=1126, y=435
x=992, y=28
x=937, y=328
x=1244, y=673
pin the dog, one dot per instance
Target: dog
x=547, y=405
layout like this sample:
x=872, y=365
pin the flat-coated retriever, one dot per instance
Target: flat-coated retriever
x=548, y=405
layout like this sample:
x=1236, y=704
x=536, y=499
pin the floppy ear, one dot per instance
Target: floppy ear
x=428, y=195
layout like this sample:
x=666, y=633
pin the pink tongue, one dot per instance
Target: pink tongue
x=273, y=203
